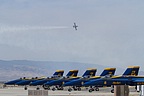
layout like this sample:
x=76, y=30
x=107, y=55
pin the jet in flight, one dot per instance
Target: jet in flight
x=75, y=26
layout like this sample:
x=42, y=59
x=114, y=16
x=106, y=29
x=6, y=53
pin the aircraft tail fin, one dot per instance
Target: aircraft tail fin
x=108, y=71
x=132, y=70
x=89, y=72
x=58, y=73
x=72, y=73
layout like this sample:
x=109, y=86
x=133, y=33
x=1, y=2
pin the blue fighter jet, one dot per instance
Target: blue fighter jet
x=78, y=82
x=54, y=77
x=61, y=81
x=25, y=82
x=128, y=78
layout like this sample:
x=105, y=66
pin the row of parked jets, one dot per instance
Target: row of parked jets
x=88, y=79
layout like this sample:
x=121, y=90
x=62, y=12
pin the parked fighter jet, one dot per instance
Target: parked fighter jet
x=41, y=82
x=78, y=82
x=26, y=81
x=75, y=26
x=13, y=82
x=61, y=81
x=128, y=78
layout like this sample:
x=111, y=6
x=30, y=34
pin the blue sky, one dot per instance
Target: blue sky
x=110, y=32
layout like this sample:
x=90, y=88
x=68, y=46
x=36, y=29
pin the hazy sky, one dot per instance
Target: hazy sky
x=110, y=32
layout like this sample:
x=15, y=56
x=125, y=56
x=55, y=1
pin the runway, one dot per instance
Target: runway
x=19, y=91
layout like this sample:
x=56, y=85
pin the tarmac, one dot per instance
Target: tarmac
x=19, y=91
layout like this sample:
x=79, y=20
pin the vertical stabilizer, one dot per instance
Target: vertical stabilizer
x=89, y=72
x=132, y=70
x=58, y=73
x=72, y=73
x=108, y=71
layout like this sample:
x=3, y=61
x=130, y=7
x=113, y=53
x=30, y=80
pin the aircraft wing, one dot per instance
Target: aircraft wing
x=138, y=80
x=120, y=80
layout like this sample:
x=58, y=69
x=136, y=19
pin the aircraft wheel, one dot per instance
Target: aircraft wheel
x=47, y=88
x=62, y=88
x=135, y=87
x=90, y=90
x=96, y=89
x=112, y=91
x=25, y=88
x=75, y=89
x=53, y=89
x=37, y=88
x=69, y=89
x=79, y=89
x=43, y=86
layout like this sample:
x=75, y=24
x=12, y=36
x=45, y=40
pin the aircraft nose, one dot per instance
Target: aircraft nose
x=12, y=82
x=8, y=83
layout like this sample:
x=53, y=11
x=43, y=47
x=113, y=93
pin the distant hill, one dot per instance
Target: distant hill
x=24, y=68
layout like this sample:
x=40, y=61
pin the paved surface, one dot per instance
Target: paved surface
x=19, y=91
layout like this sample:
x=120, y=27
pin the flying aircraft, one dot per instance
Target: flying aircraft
x=41, y=82
x=61, y=81
x=78, y=82
x=75, y=26
x=26, y=81
x=129, y=77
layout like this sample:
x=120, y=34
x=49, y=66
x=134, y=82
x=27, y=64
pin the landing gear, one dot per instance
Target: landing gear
x=37, y=88
x=75, y=88
x=53, y=89
x=96, y=89
x=25, y=88
x=60, y=88
x=93, y=89
x=79, y=89
x=69, y=89
x=90, y=90
x=112, y=90
x=46, y=87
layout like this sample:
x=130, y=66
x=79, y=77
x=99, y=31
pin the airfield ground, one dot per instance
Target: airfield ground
x=19, y=91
